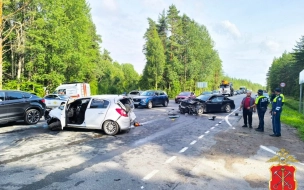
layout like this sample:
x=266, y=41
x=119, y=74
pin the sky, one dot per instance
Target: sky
x=247, y=34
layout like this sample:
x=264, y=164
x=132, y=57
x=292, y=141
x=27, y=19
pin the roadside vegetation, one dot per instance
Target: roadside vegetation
x=46, y=43
x=291, y=116
x=287, y=68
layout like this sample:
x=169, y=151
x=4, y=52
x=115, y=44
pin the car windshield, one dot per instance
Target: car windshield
x=147, y=93
x=65, y=97
x=206, y=93
x=203, y=97
x=214, y=91
x=184, y=94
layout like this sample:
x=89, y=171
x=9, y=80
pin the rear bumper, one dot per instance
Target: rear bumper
x=126, y=123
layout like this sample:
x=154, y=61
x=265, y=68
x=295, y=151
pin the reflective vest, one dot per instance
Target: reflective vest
x=283, y=98
x=261, y=102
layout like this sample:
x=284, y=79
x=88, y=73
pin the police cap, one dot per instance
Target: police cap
x=278, y=90
x=260, y=92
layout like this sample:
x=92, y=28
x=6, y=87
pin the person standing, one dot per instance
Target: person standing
x=273, y=95
x=261, y=103
x=276, y=113
x=248, y=107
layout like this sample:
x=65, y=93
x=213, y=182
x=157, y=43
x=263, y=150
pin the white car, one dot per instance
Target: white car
x=55, y=100
x=110, y=113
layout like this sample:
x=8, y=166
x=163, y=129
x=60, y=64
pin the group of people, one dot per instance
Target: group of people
x=260, y=104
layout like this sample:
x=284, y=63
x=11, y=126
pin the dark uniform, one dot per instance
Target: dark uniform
x=276, y=114
x=261, y=103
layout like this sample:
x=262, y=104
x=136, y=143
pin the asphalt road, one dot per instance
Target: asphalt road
x=158, y=155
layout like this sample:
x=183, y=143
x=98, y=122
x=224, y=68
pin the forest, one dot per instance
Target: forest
x=286, y=68
x=47, y=43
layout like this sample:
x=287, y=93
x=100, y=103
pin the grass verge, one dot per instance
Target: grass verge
x=290, y=116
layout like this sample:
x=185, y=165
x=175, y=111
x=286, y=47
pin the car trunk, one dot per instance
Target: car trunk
x=127, y=105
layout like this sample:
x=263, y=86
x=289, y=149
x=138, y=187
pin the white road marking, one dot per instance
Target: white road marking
x=193, y=142
x=200, y=137
x=216, y=124
x=183, y=150
x=150, y=175
x=170, y=159
x=273, y=152
x=207, y=132
x=212, y=127
x=227, y=117
x=268, y=149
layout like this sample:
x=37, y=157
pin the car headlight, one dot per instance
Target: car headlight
x=144, y=100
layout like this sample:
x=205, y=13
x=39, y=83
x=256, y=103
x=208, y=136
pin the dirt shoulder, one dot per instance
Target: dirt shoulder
x=238, y=159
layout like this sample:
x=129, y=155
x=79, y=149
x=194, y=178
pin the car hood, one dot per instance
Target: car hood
x=56, y=112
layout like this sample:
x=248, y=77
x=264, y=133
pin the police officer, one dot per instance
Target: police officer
x=276, y=113
x=273, y=95
x=261, y=103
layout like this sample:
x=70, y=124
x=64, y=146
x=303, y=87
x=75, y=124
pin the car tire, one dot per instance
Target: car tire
x=110, y=127
x=149, y=105
x=165, y=104
x=200, y=110
x=227, y=108
x=55, y=126
x=32, y=116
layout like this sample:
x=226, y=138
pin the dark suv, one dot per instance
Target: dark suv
x=18, y=105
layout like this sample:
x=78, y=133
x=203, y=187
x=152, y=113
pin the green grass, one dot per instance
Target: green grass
x=290, y=116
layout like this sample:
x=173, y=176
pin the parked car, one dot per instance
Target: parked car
x=19, y=105
x=235, y=93
x=209, y=103
x=111, y=113
x=134, y=93
x=55, y=100
x=184, y=95
x=151, y=98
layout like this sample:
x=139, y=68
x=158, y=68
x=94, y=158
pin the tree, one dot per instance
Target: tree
x=155, y=57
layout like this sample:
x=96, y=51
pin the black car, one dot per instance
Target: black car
x=207, y=103
x=18, y=105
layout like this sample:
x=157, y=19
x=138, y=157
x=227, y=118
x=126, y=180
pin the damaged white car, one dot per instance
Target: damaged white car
x=111, y=113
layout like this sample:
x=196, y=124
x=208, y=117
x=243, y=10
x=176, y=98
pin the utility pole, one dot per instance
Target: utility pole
x=1, y=47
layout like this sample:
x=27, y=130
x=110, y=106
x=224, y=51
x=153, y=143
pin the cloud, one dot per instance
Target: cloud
x=269, y=46
x=228, y=28
x=109, y=5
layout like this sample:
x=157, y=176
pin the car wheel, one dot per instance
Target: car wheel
x=227, y=108
x=55, y=126
x=150, y=105
x=200, y=110
x=32, y=116
x=110, y=127
x=165, y=104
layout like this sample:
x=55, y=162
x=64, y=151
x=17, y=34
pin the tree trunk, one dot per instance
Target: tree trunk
x=12, y=61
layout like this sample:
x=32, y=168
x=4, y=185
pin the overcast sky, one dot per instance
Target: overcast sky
x=247, y=34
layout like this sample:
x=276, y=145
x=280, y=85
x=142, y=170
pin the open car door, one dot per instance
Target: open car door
x=63, y=107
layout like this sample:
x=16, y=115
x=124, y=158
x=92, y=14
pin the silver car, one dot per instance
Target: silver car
x=111, y=113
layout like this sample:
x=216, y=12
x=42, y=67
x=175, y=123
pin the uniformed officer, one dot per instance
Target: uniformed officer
x=261, y=103
x=276, y=113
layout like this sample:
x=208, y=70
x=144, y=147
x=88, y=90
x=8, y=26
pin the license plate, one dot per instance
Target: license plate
x=136, y=103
